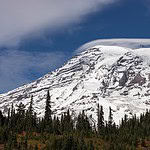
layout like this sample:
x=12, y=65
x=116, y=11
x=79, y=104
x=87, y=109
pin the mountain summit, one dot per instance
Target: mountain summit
x=112, y=76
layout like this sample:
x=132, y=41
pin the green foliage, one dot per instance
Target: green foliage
x=83, y=125
x=100, y=121
x=22, y=129
x=48, y=112
x=110, y=118
x=48, y=115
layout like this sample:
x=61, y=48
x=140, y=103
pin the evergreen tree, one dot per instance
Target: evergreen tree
x=20, y=117
x=100, y=122
x=56, y=125
x=62, y=123
x=8, y=117
x=48, y=113
x=30, y=109
x=83, y=125
x=30, y=116
x=1, y=118
x=12, y=110
x=21, y=109
x=68, y=122
x=110, y=118
x=131, y=133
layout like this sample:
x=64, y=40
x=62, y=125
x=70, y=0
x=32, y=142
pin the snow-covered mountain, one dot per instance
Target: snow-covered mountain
x=112, y=76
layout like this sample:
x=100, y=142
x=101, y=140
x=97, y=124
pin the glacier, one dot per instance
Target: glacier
x=111, y=76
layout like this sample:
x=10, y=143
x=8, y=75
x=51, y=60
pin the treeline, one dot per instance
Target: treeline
x=21, y=129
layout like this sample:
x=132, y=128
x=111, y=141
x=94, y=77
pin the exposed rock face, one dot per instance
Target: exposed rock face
x=138, y=79
x=124, y=79
x=108, y=75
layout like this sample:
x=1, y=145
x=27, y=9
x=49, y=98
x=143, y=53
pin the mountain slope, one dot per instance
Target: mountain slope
x=112, y=76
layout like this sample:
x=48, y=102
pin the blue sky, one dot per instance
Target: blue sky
x=39, y=39
x=127, y=18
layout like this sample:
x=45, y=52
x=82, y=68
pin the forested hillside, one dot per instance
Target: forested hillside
x=22, y=130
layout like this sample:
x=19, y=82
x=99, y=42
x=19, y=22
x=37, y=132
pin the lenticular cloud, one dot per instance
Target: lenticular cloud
x=128, y=43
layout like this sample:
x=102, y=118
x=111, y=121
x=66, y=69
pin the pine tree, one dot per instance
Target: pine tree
x=30, y=109
x=83, y=125
x=56, y=125
x=110, y=118
x=68, y=123
x=12, y=110
x=79, y=123
x=100, y=124
x=21, y=109
x=48, y=113
x=20, y=117
x=34, y=121
x=62, y=123
x=1, y=118
x=30, y=118
x=8, y=116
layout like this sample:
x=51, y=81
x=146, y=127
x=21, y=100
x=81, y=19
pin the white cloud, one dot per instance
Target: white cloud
x=19, y=67
x=129, y=43
x=20, y=17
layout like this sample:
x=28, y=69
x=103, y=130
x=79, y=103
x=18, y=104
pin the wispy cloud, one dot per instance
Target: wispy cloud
x=20, y=17
x=19, y=67
x=122, y=42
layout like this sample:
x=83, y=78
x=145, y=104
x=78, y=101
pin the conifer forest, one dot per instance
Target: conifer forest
x=21, y=129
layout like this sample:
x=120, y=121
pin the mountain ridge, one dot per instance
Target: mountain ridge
x=112, y=76
x=133, y=43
